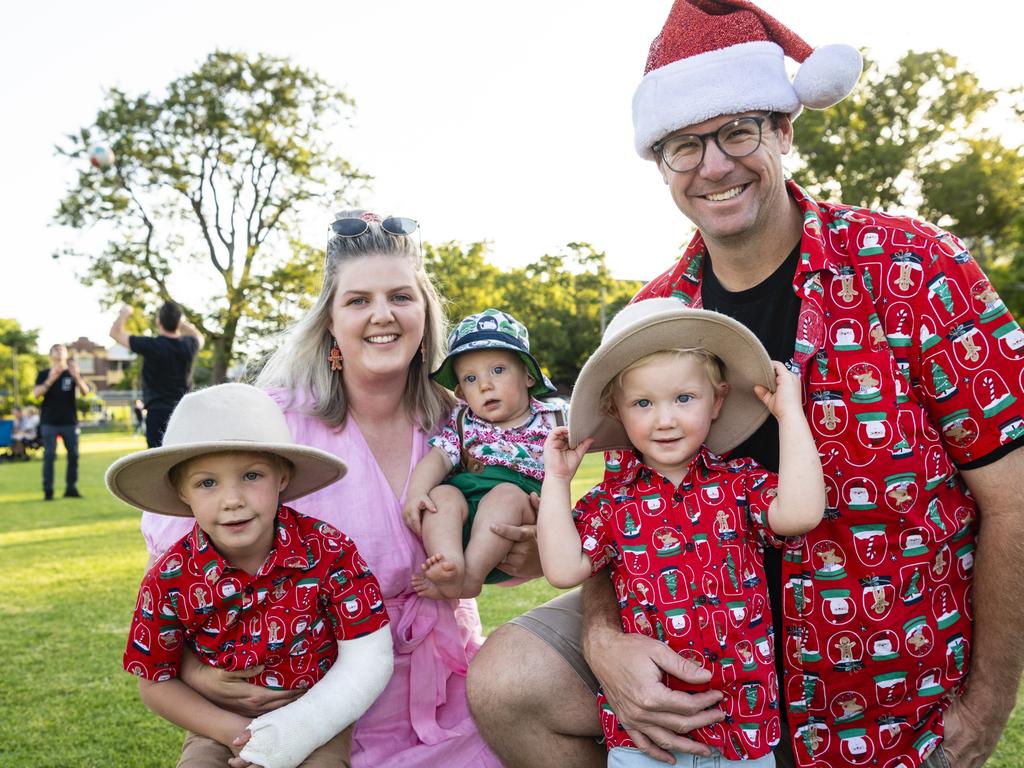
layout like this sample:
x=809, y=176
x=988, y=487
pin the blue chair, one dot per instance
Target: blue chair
x=6, y=438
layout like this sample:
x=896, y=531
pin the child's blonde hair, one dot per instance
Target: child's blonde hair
x=714, y=368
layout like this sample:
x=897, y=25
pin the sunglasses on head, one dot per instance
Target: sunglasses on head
x=393, y=225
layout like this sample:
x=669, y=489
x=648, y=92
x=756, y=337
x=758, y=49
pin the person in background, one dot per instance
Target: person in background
x=166, y=363
x=58, y=417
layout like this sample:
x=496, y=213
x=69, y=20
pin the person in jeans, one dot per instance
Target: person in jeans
x=58, y=417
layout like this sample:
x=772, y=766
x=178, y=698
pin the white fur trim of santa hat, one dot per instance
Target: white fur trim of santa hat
x=705, y=64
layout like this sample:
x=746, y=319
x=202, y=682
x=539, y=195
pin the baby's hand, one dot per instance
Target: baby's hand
x=785, y=400
x=560, y=460
x=415, y=505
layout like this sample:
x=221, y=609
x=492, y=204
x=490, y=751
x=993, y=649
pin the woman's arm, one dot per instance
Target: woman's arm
x=800, y=502
x=232, y=690
x=178, y=703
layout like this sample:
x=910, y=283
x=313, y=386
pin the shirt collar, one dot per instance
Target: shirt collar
x=636, y=469
x=290, y=550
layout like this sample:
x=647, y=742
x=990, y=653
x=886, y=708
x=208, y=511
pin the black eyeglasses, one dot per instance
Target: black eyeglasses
x=393, y=225
x=737, y=138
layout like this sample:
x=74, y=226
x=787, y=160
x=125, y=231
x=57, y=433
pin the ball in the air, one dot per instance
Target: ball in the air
x=101, y=157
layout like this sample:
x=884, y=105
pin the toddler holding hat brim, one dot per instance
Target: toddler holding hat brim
x=253, y=583
x=487, y=460
x=682, y=532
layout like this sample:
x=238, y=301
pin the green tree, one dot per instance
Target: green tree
x=463, y=276
x=867, y=149
x=19, y=363
x=209, y=182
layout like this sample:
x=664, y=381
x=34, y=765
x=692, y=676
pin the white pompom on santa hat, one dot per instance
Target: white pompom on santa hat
x=721, y=57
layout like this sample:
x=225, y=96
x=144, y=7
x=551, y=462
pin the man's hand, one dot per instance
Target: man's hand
x=970, y=738
x=125, y=312
x=523, y=560
x=631, y=668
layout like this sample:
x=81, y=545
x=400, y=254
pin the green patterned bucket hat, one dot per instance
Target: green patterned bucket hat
x=491, y=329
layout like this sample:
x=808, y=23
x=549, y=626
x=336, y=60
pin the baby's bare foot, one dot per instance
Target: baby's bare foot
x=444, y=575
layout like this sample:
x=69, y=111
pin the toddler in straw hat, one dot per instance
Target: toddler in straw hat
x=682, y=530
x=253, y=583
x=486, y=461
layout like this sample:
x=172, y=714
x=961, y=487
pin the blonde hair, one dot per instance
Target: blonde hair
x=714, y=368
x=299, y=362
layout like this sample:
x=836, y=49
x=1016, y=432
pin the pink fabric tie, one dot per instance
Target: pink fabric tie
x=430, y=636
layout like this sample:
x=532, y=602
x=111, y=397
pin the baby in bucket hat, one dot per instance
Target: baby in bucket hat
x=680, y=529
x=487, y=459
x=253, y=583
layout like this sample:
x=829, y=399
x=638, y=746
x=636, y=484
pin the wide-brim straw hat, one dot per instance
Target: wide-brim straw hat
x=654, y=325
x=226, y=417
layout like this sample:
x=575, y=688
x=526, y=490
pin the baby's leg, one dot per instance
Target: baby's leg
x=504, y=503
x=445, y=566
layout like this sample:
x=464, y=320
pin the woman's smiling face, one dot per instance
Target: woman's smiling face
x=378, y=315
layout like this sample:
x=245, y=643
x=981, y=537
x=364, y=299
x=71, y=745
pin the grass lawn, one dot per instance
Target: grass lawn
x=70, y=569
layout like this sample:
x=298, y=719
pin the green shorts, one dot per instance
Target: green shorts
x=474, y=486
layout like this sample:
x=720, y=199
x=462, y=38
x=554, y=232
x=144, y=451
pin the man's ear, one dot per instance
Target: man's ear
x=785, y=132
x=662, y=169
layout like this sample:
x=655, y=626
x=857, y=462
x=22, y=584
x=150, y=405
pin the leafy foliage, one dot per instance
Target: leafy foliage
x=208, y=182
x=560, y=298
x=867, y=149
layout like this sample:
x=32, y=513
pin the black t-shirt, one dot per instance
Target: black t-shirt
x=58, y=407
x=770, y=309
x=166, y=367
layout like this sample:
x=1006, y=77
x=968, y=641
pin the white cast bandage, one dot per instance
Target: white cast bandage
x=285, y=737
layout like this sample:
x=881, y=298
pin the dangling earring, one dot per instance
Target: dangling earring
x=335, y=357
x=423, y=350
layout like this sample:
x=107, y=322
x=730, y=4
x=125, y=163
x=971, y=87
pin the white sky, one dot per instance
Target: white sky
x=508, y=122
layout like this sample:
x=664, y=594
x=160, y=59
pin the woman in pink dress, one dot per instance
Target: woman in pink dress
x=352, y=378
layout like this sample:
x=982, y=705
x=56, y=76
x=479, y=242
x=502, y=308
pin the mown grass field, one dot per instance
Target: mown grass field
x=69, y=570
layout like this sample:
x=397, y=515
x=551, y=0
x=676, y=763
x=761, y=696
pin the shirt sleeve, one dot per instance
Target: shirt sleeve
x=350, y=595
x=592, y=516
x=760, y=488
x=41, y=376
x=966, y=355
x=140, y=345
x=448, y=438
x=156, y=636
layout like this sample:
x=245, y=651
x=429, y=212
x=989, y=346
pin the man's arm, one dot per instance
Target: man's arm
x=83, y=385
x=630, y=668
x=185, y=328
x=975, y=721
x=119, y=330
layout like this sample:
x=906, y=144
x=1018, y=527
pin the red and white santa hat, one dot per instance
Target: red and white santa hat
x=720, y=57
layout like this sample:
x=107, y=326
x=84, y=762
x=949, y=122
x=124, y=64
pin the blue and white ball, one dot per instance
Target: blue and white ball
x=101, y=158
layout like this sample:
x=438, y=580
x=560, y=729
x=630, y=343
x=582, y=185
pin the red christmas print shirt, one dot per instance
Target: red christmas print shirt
x=687, y=565
x=911, y=365
x=313, y=590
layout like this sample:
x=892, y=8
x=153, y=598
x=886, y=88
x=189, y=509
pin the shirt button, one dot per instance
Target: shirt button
x=677, y=497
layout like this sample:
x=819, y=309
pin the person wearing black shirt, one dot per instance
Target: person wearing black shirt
x=58, y=417
x=166, y=363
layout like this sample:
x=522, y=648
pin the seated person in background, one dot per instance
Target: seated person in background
x=253, y=583
x=678, y=386
x=487, y=460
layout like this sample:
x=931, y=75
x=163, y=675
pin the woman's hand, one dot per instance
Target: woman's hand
x=523, y=560
x=231, y=690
